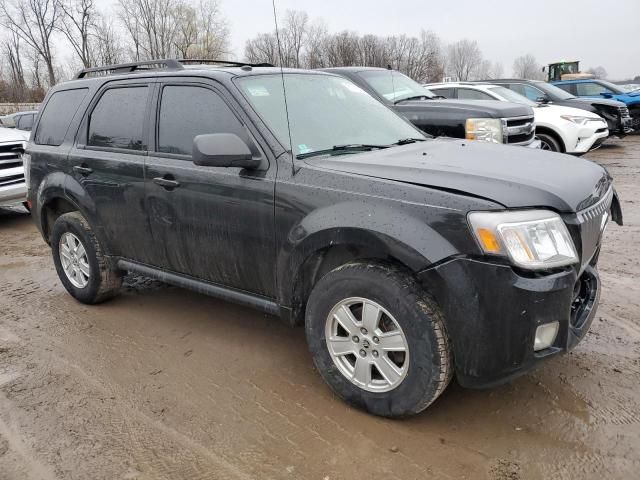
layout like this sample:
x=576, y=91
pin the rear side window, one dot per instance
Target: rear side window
x=443, y=92
x=117, y=121
x=57, y=115
x=591, y=89
x=188, y=111
x=468, y=94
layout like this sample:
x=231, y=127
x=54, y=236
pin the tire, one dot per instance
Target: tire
x=549, y=143
x=427, y=364
x=101, y=283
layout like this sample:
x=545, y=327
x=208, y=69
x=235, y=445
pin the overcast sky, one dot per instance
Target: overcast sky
x=596, y=32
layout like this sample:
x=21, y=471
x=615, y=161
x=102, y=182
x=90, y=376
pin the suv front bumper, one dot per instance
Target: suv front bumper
x=492, y=313
x=13, y=194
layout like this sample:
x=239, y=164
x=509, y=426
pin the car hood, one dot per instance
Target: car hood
x=478, y=108
x=13, y=135
x=557, y=110
x=579, y=102
x=514, y=177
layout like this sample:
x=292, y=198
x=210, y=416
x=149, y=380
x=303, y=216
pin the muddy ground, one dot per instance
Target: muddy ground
x=162, y=383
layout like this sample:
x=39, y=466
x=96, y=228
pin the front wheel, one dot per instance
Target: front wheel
x=378, y=340
x=547, y=142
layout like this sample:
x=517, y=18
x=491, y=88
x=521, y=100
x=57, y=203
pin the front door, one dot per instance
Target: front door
x=108, y=162
x=212, y=223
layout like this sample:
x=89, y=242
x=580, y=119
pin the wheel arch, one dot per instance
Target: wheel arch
x=552, y=133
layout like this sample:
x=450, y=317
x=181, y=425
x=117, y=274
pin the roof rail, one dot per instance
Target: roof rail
x=169, y=64
x=207, y=61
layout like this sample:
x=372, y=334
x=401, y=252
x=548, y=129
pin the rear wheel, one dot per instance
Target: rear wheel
x=378, y=340
x=547, y=142
x=81, y=265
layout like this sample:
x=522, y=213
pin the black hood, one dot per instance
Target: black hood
x=578, y=102
x=514, y=177
x=469, y=108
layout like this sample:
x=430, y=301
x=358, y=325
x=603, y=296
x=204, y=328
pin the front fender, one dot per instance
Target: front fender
x=375, y=229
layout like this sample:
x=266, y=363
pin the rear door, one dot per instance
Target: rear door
x=108, y=162
x=212, y=223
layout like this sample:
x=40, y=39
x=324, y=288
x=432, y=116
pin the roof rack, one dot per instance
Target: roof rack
x=207, y=61
x=168, y=64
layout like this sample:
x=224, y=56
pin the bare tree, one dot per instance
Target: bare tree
x=262, y=48
x=107, y=49
x=78, y=19
x=315, y=52
x=598, y=72
x=213, y=31
x=464, y=59
x=293, y=37
x=14, y=57
x=35, y=21
x=187, y=29
x=527, y=67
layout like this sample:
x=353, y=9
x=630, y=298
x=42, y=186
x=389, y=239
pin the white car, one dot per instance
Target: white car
x=13, y=189
x=560, y=129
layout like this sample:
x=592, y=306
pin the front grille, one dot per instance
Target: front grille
x=592, y=222
x=11, y=169
x=624, y=111
x=518, y=130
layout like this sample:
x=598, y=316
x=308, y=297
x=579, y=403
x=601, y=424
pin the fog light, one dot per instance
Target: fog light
x=545, y=335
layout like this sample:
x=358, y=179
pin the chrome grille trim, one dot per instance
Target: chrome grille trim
x=591, y=226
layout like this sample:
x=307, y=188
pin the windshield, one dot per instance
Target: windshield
x=511, y=96
x=324, y=111
x=611, y=86
x=556, y=92
x=394, y=86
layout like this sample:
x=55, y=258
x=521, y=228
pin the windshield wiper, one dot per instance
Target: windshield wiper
x=415, y=97
x=354, y=147
x=406, y=141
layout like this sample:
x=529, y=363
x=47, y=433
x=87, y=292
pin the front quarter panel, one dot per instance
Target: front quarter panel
x=318, y=209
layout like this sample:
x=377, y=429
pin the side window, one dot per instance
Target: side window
x=117, y=120
x=468, y=94
x=444, y=92
x=532, y=93
x=516, y=87
x=57, y=115
x=26, y=122
x=187, y=111
x=567, y=87
x=591, y=89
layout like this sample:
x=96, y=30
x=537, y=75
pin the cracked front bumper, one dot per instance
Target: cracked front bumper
x=492, y=313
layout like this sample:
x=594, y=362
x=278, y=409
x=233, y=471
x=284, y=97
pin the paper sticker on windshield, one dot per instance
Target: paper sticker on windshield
x=258, y=91
x=304, y=149
x=353, y=87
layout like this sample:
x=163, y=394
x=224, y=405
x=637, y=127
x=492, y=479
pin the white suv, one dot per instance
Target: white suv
x=13, y=189
x=560, y=129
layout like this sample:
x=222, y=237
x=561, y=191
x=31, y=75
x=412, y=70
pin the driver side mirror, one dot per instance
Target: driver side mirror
x=222, y=150
x=542, y=99
x=606, y=94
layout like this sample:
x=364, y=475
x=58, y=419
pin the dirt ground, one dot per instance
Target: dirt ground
x=162, y=383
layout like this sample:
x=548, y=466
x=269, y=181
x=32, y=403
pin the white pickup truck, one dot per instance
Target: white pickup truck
x=13, y=190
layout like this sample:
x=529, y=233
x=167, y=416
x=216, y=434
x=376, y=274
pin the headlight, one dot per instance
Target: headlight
x=576, y=119
x=532, y=239
x=487, y=129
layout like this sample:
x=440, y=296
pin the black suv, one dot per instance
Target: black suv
x=406, y=259
x=614, y=112
x=484, y=120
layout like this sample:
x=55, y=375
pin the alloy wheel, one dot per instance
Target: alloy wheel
x=74, y=259
x=367, y=344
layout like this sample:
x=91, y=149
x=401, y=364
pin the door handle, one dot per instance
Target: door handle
x=82, y=170
x=167, y=183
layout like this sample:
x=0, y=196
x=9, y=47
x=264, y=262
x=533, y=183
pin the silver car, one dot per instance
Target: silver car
x=13, y=190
